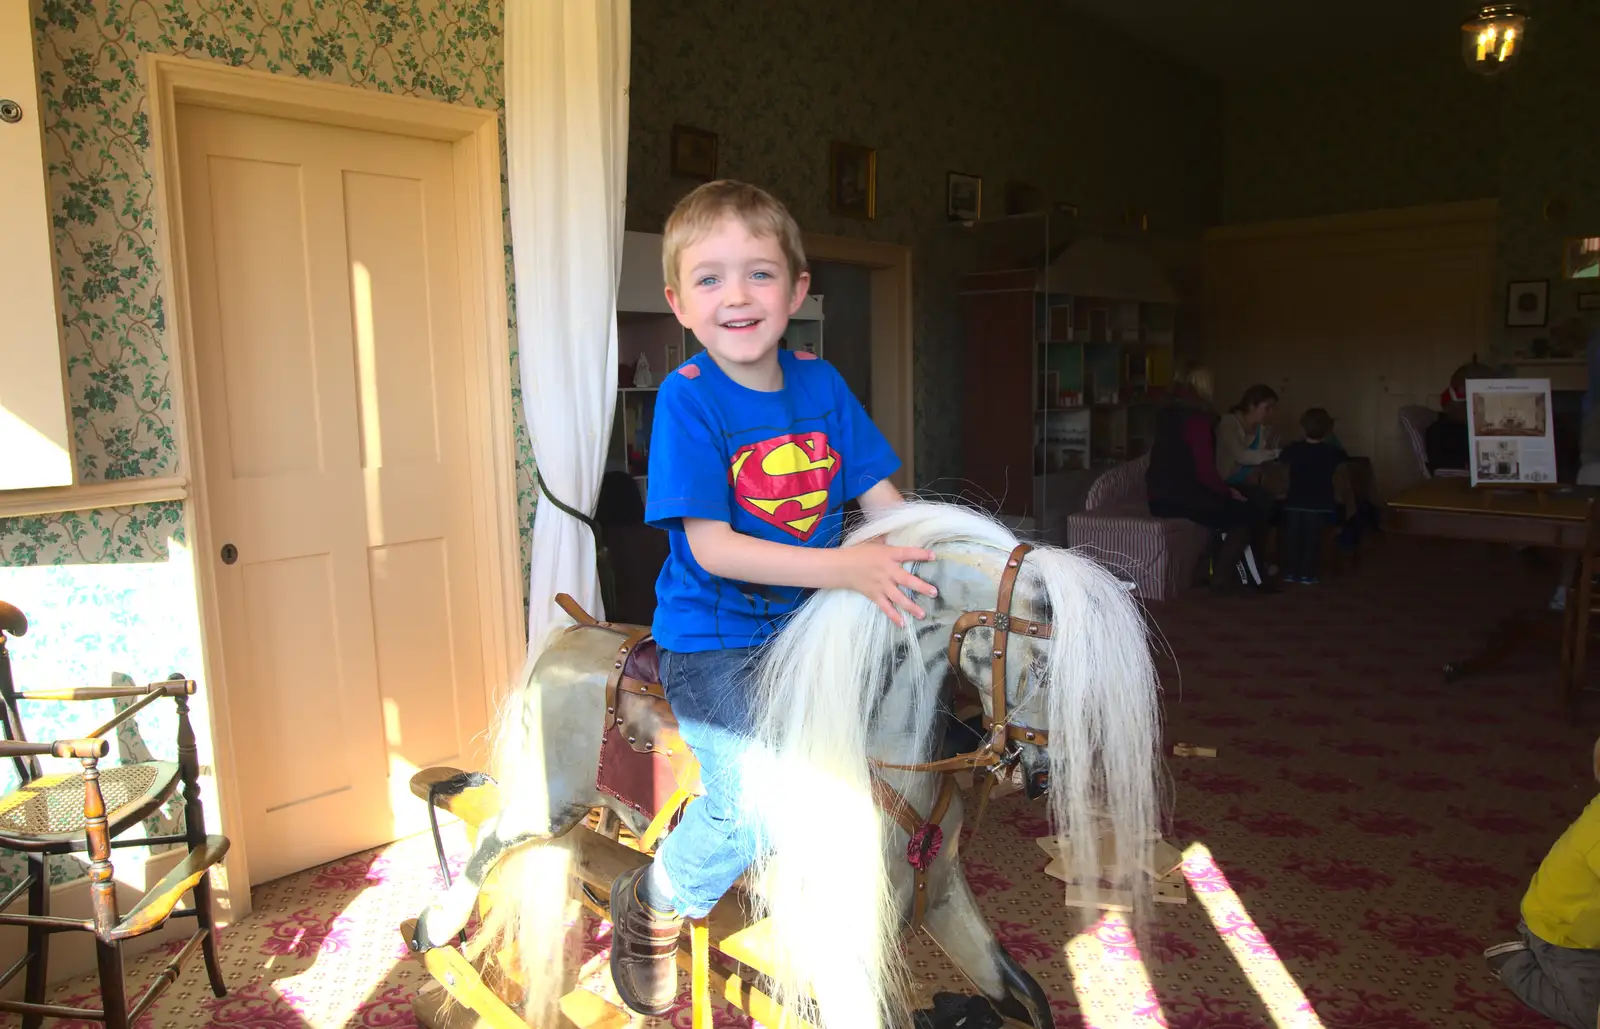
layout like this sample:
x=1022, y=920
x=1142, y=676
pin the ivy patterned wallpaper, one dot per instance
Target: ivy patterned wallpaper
x=1005, y=90
x=1417, y=127
x=111, y=593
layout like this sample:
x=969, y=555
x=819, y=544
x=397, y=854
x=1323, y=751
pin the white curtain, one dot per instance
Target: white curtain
x=566, y=82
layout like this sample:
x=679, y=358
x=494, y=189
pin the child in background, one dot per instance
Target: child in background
x=1310, y=506
x=1555, y=967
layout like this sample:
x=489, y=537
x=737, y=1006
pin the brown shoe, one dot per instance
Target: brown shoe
x=644, y=948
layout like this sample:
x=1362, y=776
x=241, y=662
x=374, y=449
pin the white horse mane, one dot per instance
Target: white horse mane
x=822, y=712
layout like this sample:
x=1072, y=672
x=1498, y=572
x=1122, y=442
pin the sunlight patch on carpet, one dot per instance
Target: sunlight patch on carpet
x=1277, y=988
x=1109, y=977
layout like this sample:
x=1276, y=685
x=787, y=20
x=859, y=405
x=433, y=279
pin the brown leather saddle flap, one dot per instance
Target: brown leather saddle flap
x=643, y=759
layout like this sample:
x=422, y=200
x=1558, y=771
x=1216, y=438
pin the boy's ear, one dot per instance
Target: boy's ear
x=673, y=302
x=802, y=286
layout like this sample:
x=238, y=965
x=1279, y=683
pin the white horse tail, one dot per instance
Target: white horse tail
x=1103, y=718
x=532, y=909
x=822, y=878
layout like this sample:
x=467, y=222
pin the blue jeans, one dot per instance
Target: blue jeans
x=714, y=843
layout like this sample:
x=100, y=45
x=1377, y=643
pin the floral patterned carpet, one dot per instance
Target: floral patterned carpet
x=1363, y=832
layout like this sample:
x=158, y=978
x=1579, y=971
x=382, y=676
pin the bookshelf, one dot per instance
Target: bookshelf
x=1068, y=342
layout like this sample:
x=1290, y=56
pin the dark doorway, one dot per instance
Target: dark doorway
x=846, y=291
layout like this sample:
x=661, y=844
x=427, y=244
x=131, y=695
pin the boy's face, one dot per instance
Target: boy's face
x=735, y=294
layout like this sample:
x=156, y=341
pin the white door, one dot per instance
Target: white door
x=325, y=292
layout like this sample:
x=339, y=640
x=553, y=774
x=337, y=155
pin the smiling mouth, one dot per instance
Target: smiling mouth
x=743, y=323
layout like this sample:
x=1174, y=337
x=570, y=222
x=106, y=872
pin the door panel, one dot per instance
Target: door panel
x=328, y=345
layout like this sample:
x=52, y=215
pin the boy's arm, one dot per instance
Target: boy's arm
x=881, y=497
x=872, y=569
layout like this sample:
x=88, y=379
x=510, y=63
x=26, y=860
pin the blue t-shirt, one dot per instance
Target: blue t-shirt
x=778, y=466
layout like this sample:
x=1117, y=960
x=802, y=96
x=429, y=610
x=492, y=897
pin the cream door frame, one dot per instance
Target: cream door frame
x=474, y=136
x=893, y=402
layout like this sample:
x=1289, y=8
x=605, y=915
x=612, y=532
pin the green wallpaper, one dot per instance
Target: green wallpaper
x=1416, y=127
x=111, y=593
x=1006, y=90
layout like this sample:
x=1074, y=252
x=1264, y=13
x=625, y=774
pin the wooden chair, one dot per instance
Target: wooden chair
x=86, y=811
x=1577, y=619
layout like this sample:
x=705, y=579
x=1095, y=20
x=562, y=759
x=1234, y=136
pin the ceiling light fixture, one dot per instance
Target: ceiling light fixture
x=1493, y=39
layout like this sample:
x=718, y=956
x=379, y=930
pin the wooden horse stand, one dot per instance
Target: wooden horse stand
x=741, y=948
x=645, y=765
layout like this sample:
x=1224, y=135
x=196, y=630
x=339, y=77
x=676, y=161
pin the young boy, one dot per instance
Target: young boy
x=755, y=452
x=1555, y=967
x=1310, y=506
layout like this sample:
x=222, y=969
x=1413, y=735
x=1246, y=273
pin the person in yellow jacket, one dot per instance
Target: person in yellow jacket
x=1555, y=967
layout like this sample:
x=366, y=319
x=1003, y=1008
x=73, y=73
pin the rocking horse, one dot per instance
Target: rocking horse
x=860, y=821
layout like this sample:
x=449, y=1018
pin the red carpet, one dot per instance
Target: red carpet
x=1364, y=832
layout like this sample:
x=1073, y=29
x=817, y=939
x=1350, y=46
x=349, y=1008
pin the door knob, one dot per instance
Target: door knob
x=230, y=553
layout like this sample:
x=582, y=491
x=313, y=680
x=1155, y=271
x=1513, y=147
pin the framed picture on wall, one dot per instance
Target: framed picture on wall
x=963, y=197
x=1528, y=303
x=1589, y=301
x=694, y=153
x=853, y=181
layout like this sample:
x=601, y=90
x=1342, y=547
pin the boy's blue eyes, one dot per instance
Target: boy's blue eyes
x=712, y=280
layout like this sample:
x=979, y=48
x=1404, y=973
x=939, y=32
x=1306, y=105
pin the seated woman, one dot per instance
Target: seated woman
x=1242, y=446
x=1182, y=480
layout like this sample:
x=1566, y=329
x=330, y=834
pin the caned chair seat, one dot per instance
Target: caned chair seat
x=49, y=809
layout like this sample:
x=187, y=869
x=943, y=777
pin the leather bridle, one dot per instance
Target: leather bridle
x=996, y=722
x=926, y=836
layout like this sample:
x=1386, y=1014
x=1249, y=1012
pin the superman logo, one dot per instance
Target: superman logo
x=784, y=480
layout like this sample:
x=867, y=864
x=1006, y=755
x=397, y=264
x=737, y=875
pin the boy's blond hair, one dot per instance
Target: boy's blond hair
x=760, y=212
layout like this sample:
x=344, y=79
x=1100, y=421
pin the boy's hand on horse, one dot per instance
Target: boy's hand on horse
x=876, y=571
x=871, y=568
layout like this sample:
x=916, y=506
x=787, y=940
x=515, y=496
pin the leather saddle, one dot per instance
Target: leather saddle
x=643, y=759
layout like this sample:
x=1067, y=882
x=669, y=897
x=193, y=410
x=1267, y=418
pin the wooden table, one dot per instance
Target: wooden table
x=1450, y=508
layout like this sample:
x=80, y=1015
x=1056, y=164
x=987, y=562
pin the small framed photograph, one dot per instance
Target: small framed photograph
x=1589, y=301
x=1582, y=257
x=1528, y=303
x=853, y=181
x=674, y=356
x=694, y=153
x=963, y=197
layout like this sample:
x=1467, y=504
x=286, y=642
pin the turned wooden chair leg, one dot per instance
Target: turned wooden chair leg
x=194, y=828
x=113, y=994
x=38, y=982
x=208, y=946
x=1569, y=647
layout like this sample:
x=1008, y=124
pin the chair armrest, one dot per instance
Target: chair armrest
x=12, y=620
x=156, y=905
x=165, y=688
x=78, y=748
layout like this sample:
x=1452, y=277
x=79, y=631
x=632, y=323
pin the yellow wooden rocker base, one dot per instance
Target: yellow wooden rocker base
x=599, y=861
